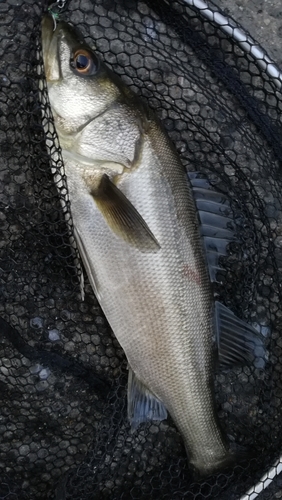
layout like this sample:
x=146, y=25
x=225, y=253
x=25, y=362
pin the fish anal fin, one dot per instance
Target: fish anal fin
x=142, y=405
x=122, y=217
x=238, y=342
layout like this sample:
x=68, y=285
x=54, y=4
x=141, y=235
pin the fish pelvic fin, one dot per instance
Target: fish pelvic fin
x=123, y=218
x=142, y=405
x=238, y=342
x=87, y=264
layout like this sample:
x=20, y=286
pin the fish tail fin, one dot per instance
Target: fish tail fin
x=209, y=467
x=236, y=455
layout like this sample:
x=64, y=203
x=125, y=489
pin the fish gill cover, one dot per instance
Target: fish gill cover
x=63, y=376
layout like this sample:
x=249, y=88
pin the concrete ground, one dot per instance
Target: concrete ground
x=262, y=19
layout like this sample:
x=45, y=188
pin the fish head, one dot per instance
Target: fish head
x=97, y=117
x=80, y=86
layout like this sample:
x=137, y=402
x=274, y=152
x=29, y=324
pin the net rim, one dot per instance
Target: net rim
x=247, y=43
x=250, y=46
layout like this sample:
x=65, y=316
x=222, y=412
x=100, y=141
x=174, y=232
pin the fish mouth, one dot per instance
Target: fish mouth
x=47, y=26
x=51, y=41
x=50, y=49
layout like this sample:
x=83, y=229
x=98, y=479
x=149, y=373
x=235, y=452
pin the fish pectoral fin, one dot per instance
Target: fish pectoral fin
x=142, y=405
x=238, y=342
x=124, y=220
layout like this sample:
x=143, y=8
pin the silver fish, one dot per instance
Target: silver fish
x=137, y=231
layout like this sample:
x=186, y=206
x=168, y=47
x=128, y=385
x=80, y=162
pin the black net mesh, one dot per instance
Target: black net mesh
x=63, y=422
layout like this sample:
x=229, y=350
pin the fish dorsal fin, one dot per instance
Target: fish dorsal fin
x=142, y=405
x=217, y=226
x=238, y=342
x=122, y=217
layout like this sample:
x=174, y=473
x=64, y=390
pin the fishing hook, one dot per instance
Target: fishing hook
x=59, y=4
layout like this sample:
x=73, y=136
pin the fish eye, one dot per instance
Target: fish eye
x=84, y=62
